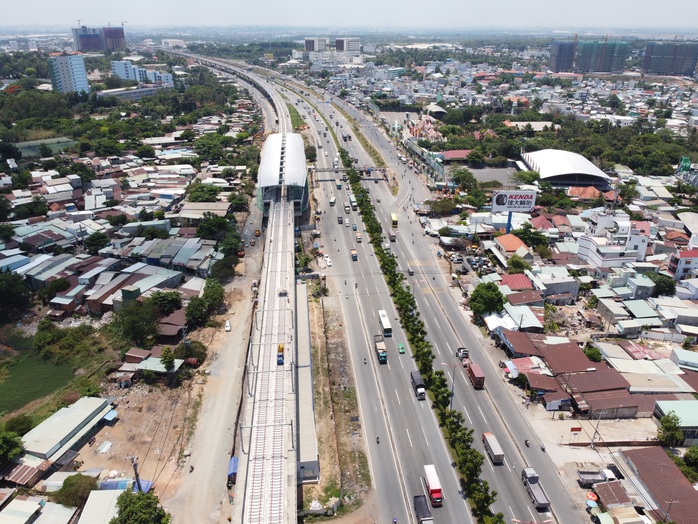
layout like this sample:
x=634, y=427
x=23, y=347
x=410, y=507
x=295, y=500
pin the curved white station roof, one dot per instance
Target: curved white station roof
x=556, y=162
x=270, y=172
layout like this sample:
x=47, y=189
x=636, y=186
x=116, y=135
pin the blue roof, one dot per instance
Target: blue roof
x=113, y=414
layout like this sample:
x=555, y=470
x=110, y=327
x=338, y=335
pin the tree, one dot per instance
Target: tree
x=443, y=206
x=5, y=212
x=167, y=302
x=628, y=192
x=665, y=286
x=231, y=244
x=517, y=264
x=238, y=202
x=168, y=361
x=669, y=431
x=37, y=207
x=203, y=193
x=526, y=177
x=214, y=294
x=139, y=508
x=593, y=353
x=10, y=445
x=530, y=235
x=16, y=297
x=54, y=287
x=19, y=424
x=691, y=457
x=75, y=490
x=145, y=151
x=137, y=322
x=486, y=298
x=45, y=150
x=212, y=227
x=197, y=311
x=464, y=178
x=96, y=241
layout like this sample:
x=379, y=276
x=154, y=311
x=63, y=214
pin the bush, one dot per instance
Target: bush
x=75, y=490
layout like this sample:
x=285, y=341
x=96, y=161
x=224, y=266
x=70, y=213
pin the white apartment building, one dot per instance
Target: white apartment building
x=125, y=70
x=600, y=252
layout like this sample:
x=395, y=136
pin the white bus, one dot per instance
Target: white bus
x=333, y=201
x=385, y=323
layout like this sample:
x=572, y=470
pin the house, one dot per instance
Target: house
x=683, y=263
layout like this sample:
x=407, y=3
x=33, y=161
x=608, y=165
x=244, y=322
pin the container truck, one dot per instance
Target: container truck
x=392, y=235
x=381, y=351
x=530, y=479
x=494, y=450
x=422, y=511
x=420, y=389
x=280, y=355
x=477, y=377
x=433, y=485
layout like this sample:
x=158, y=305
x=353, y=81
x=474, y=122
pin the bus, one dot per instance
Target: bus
x=385, y=323
x=393, y=220
x=352, y=202
x=338, y=183
x=333, y=201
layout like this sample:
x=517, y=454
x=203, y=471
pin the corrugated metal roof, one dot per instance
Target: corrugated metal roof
x=100, y=507
x=294, y=169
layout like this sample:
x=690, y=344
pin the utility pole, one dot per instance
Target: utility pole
x=134, y=463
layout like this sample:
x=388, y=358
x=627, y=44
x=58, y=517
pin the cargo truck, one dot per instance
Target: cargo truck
x=494, y=450
x=420, y=389
x=530, y=479
x=422, y=511
x=381, y=351
x=392, y=235
x=477, y=377
x=354, y=256
x=433, y=485
x=280, y=355
x=588, y=478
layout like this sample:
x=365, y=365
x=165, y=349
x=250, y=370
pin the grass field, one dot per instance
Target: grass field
x=29, y=379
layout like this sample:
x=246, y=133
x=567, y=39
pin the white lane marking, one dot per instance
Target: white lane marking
x=408, y=437
x=483, y=415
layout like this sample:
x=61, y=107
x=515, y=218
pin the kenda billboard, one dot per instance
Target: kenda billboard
x=513, y=201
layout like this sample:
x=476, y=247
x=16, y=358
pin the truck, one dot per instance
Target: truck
x=476, y=376
x=420, y=389
x=358, y=237
x=280, y=355
x=464, y=355
x=587, y=478
x=392, y=236
x=421, y=510
x=532, y=482
x=354, y=255
x=494, y=450
x=381, y=351
x=433, y=485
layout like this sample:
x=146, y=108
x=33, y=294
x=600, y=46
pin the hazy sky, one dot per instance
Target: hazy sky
x=447, y=14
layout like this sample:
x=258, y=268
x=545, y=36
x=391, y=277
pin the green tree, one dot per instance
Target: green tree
x=136, y=322
x=486, y=298
x=443, y=206
x=197, y=311
x=517, y=264
x=203, y=193
x=96, y=241
x=5, y=212
x=464, y=178
x=231, y=244
x=19, y=424
x=224, y=268
x=213, y=294
x=665, y=286
x=238, y=202
x=37, y=207
x=54, y=287
x=212, y=227
x=45, y=150
x=530, y=235
x=139, y=508
x=526, y=177
x=628, y=192
x=168, y=361
x=167, y=302
x=145, y=151
x=75, y=490
x=16, y=297
x=691, y=457
x=669, y=431
x=10, y=445
x=593, y=353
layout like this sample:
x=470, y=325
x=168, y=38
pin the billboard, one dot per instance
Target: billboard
x=522, y=201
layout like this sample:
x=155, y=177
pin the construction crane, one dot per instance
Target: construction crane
x=123, y=22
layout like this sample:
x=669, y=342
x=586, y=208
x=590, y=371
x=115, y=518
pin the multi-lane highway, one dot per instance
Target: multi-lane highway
x=414, y=432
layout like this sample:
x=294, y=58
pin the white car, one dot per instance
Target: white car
x=227, y=325
x=326, y=257
x=329, y=262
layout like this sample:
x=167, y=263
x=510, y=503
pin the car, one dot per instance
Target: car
x=353, y=227
x=347, y=224
x=401, y=348
x=326, y=154
x=227, y=325
x=329, y=262
x=410, y=271
x=326, y=257
x=340, y=220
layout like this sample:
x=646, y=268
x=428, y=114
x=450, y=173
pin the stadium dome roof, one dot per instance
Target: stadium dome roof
x=565, y=168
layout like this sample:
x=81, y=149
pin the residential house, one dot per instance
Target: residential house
x=683, y=263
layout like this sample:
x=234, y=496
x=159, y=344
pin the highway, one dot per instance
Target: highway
x=494, y=409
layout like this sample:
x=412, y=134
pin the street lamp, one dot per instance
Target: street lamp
x=453, y=380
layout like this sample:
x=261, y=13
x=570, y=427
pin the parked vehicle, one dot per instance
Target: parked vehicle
x=433, y=485
x=476, y=376
x=227, y=325
x=532, y=482
x=381, y=351
x=420, y=389
x=494, y=450
x=421, y=510
x=587, y=478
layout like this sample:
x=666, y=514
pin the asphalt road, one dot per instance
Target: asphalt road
x=493, y=409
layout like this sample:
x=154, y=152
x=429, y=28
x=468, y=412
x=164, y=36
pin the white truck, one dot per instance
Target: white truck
x=535, y=491
x=587, y=478
x=494, y=450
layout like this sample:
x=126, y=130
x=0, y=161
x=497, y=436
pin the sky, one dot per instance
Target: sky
x=681, y=15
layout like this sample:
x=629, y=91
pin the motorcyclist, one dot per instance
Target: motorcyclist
x=378, y=440
x=527, y=442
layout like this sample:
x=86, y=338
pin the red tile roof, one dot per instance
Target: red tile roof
x=561, y=220
x=516, y=282
x=540, y=222
x=510, y=242
x=691, y=253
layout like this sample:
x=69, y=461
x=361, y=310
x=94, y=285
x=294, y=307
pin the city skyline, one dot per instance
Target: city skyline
x=364, y=13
